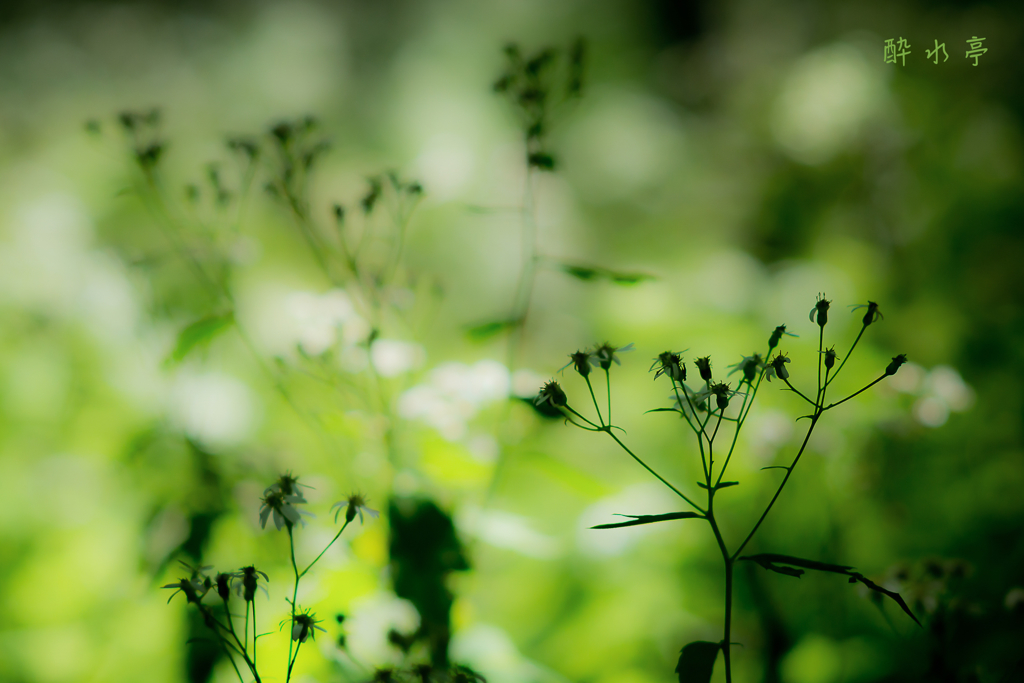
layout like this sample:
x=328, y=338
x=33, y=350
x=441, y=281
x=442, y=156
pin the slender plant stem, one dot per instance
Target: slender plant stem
x=859, y=335
x=656, y=475
x=833, y=405
x=592, y=396
x=336, y=536
x=798, y=392
x=608, y=386
x=295, y=594
x=597, y=428
x=789, y=472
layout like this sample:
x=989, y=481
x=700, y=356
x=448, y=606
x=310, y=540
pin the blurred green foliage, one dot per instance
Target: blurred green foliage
x=745, y=156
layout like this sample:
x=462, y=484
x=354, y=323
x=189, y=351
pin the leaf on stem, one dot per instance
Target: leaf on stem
x=723, y=485
x=479, y=333
x=200, y=333
x=778, y=563
x=892, y=594
x=697, y=661
x=649, y=519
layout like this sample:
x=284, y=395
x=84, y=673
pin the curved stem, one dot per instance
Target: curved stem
x=789, y=473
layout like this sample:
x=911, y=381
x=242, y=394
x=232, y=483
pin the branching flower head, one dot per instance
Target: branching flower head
x=749, y=366
x=581, y=359
x=820, y=311
x=551, y=393
x=871, y=315
x=777, y=367
x=606, y=354
x=289, y=485
x=671, y=364
x=194, y=588
x=303, y=625
x=282, y=506
x=354, y=505
x=776, y=337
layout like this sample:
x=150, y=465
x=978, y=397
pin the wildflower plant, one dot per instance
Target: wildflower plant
x=715, y=412
x=357, y=249
x=248, y=580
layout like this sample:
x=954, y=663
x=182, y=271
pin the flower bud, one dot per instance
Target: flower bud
x=778, y=367
x=551, y=393
x=820, y=311
x=721, y=392
x=897, y=361
x=581, y=360
x=830, y=358
x=223, y=585
x=776, y=337
x=704, y=366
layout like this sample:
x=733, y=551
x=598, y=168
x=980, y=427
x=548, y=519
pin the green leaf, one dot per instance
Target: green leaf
x=723, y=485
x=649, y=519
x=664, y=410
x=776, y=563
x=589, y=272
x=765, y=559
x=581, y=272
x=485, y=331
x=892, y=594
x=200, y=333
x=697, y=661
x=628, y=278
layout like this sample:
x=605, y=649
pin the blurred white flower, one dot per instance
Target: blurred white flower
x=453, y=394
x=391, y=357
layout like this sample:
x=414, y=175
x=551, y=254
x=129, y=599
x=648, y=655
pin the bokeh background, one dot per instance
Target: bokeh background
x=747, y=155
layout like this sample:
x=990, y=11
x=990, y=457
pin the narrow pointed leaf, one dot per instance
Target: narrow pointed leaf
x=892, y=594
x=581, y=272
x=772, y=558
x=697, y=662
x=726, y=484
x=663, y=410
x=649, y=519
x=485, y=331
x=200, y=333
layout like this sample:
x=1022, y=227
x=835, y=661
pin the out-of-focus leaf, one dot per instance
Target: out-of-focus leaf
x=649, y=519
x=697, y=661
x=581, y=272
x=663, y=410
x=589, y=272
x=541, y=160
x=485, y=331
x=200, y=333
